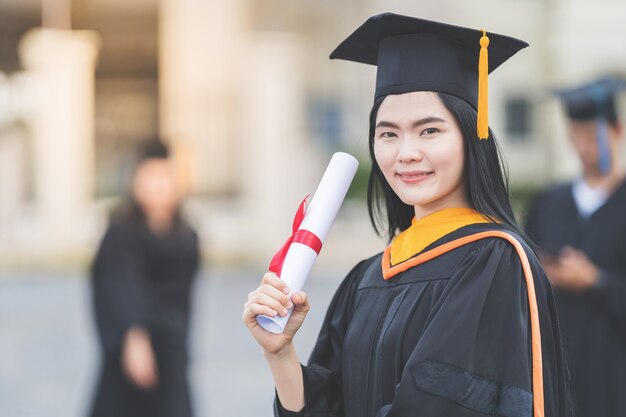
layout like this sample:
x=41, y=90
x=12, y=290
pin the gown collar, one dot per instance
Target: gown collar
x=429, y=229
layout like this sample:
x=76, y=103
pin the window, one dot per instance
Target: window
x=325, y=124
x=518, y=118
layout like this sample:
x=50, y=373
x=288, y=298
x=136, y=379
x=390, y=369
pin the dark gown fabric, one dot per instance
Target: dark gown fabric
x=141, y=278
x=448, y=337
x=593, y=322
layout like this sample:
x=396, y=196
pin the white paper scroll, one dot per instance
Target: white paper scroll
x=318, y=219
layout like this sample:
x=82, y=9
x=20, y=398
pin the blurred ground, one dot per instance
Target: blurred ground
x=48, y=351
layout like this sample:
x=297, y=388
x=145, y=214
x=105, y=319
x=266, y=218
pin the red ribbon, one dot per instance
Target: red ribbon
x=298, y=235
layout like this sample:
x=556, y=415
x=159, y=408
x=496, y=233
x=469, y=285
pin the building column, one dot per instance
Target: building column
x=62, y=65
x=276, y=164
x=198, y=55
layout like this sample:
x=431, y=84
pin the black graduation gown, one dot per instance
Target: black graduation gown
x=448, y=337
x=140, y=278
x=593, y=323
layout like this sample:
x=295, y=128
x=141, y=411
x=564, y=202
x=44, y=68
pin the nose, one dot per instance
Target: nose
x=410, y=150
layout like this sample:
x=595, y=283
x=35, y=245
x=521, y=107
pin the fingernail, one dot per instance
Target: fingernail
x=273, y=313
x=286, y=290
x=283, y=312
x=289, y=304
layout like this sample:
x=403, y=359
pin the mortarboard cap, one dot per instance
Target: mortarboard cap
x=595, y=101
x=592, y=100
x=421, y=55
x=153, y=148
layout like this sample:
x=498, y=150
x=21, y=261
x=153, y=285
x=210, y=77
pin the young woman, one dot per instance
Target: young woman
x=455, y=317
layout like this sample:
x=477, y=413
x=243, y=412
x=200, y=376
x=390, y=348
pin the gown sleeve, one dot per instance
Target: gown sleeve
x=118, y=285
x=322, y=377
x=535, y=223
x=611, y=289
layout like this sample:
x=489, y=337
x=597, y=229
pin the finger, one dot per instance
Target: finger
x=276, y=294
x=271, y=302
x=301, y=301
x=299, y=298
x=255, y=310
x=275, y=281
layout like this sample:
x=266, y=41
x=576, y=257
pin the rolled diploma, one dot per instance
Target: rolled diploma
x=318, y=219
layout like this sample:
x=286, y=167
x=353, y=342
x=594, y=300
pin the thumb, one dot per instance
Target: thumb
x=300, y=301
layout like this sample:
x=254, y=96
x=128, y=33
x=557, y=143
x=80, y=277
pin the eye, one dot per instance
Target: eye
x=387, y=135
x=430, y=131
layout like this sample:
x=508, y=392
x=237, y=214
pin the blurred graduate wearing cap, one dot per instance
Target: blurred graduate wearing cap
x=456, y=316
x=581, y=229
x=141, y=280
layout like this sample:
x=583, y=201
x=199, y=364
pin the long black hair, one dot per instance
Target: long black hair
x=485, y=175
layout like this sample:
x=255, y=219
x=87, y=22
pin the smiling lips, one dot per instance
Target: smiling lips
x=412, y=177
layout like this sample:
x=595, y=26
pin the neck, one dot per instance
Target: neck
x=422, y=211
x=160, y=221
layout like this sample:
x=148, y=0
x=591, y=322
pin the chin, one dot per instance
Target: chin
x=416, y=201
x=415, y=197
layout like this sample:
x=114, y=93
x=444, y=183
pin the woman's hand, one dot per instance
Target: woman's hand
x=271, y=299
x=138, y=360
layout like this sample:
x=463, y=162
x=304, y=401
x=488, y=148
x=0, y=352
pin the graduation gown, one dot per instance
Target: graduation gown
x=143, y=279
x=448, y=337
x=593, y=322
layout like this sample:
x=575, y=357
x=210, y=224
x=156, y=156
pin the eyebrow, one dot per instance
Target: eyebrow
x=384, y=123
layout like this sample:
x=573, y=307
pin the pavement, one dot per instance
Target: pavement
x=49, y=356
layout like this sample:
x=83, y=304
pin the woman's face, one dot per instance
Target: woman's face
x=419, y=148
x=154, y=187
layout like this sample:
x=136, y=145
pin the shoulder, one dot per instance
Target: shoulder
x=345, y=293
x=358, y=273
x=360, y=269
x=509, y=255
x=498, y=244
x=122, y=235
x=486, y=235
x=121, y=228
x=186, y=229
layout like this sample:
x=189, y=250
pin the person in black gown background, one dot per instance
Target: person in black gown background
x=141, y=280
x=580, y=227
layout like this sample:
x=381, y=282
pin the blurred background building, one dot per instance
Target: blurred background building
x=244, y=92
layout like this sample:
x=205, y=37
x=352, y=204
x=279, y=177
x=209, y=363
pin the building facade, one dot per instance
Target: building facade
x=245, y=95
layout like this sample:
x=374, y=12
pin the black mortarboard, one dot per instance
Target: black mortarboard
x=595, y=101
x=153, y=148
x=592, y=100
x=421, y=55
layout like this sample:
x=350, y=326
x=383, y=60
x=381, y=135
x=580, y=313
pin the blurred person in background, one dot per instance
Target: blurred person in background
x=141, y=281
x=580, y=228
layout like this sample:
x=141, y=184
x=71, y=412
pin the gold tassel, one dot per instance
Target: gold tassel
x=483, y=71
